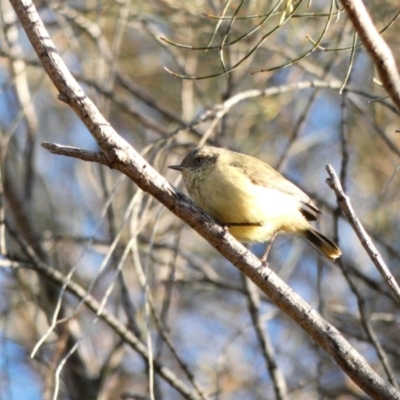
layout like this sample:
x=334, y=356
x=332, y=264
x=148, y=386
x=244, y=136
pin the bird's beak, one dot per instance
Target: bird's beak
x=177, y=167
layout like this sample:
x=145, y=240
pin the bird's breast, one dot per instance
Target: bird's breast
x=229, y=196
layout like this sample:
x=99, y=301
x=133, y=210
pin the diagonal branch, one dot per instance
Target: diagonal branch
x=123, y=157
x=376, y=46
x=344, y=203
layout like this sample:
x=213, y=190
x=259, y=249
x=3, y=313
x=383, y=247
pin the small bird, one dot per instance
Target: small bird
x=250, y=198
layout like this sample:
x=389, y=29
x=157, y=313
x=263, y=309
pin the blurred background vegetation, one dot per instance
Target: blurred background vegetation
x=287, y=82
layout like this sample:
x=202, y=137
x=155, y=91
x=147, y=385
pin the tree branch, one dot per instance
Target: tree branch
x=374, y=255
x=123, y=157
x=376, y=47
x=128, y=336
x=75, y=152
x=267, y=350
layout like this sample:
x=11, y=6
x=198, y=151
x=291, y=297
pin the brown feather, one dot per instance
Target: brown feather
x=262, y=174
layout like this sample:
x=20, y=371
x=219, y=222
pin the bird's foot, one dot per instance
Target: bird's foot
x=264, y=262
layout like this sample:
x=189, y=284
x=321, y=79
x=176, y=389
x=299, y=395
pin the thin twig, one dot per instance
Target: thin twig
x=267, y=350
x=362, y=308
x=75, y=152
x=128, y=336
x=344, y=203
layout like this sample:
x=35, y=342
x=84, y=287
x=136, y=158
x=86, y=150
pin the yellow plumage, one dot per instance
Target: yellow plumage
x=252, y=199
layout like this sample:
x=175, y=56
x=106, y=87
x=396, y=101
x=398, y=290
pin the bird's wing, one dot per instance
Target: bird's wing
x=262, y=174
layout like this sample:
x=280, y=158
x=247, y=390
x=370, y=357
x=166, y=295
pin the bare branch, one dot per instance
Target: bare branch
x=278, y=379
x=123, y=157
x=75, y=152
x=344, y=203
x=376, y=46
x=98, y=309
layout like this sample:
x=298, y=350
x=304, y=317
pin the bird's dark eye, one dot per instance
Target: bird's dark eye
x=198, y=161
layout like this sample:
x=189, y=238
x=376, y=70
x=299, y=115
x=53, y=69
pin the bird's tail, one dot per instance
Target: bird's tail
x=322, y=244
